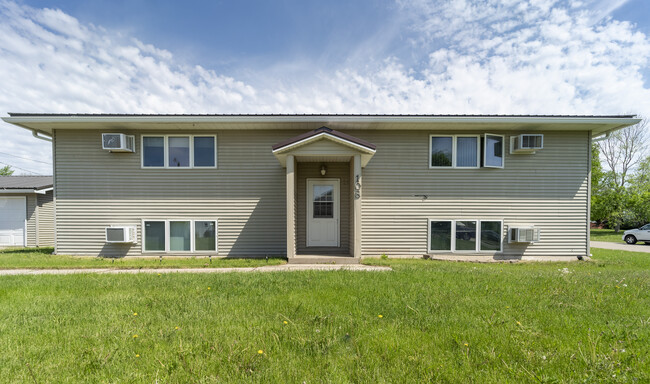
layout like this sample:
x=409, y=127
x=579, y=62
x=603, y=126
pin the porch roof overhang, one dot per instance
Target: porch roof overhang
x=304, y=146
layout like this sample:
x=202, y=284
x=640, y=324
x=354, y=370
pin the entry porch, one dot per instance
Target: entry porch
x=324, y=182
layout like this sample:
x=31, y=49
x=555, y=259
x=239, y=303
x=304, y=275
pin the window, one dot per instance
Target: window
x=180, y=152
x=205, y=235
x=440, y=235
x=460, y=151
x=323, y=202
x=468, y=236
x=179, y=235
x=154, y=236
x=493, y=151
x=467, y=152
x=441, y=151
x=204, y=151
x=153, y=151
x=465, y=235
x=490, y=236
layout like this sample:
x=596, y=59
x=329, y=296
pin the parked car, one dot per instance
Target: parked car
x=640, y=234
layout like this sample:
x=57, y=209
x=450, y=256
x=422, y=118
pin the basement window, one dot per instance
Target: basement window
x=465, y=236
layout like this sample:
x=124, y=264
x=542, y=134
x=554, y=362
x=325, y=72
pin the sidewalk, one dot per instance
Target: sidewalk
x=638, y=247
x=275, y=268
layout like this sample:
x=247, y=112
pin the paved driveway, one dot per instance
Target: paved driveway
x=638, y=247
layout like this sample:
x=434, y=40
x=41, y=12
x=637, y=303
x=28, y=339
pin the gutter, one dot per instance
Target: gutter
x=44, y=136
x=22, y=190
x=601, y=138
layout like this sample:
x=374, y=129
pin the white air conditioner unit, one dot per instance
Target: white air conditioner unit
x=120, y=234
x=118, y=142
x=526, y=143
x=523, y=235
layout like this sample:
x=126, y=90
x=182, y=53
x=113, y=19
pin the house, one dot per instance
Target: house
x=305, y=186
x=26, y=211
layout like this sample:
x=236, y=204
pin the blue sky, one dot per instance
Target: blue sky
x=384, y=56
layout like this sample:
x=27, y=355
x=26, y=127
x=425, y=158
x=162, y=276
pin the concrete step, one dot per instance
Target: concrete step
x=302, y=259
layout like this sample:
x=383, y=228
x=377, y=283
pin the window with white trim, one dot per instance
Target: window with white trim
x=465, y=236
x=179, y=151
x=493, y=151
x=179, y=236
x=454, y=151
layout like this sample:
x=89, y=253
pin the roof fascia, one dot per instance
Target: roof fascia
x=320, y=136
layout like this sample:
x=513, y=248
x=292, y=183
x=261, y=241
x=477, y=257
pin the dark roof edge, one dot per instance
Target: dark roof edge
x=21, y=114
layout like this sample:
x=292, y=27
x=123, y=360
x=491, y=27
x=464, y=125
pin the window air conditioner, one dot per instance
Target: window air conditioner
x=118, y=142
x=524, y=235
x=120, y=234
x=526, y=143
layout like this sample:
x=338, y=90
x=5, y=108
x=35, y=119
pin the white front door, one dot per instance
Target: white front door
x=12, y=221
x=323, y=212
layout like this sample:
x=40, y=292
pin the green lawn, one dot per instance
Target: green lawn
x=607, y=235
x=42, y=258
x=427, y=321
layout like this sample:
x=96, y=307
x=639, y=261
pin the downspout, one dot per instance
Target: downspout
x=44, y=136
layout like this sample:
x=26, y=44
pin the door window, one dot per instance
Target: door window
x=323, y=201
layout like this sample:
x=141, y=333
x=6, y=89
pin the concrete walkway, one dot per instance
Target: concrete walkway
x=638, y=247
x=275, y=268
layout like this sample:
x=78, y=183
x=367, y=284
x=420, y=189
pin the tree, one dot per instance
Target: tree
x=597, y=173
x=616, y=191
x=623, y=150
x=6, y=171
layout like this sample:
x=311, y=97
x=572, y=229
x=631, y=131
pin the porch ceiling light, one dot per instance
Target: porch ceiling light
x=323, y=170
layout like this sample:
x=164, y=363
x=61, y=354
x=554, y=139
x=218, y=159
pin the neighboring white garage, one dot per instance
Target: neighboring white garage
x=13, y=223
x=26, y=211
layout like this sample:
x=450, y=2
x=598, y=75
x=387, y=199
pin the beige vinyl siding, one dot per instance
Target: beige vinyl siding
x=45, y=219
x=96, y=188
x=246, y=193
x=31, y=220
x=339, y=171
x=548, y=189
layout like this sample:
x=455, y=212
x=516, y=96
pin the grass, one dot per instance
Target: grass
x=607, y=235
x=427, y=321
x=42, y=258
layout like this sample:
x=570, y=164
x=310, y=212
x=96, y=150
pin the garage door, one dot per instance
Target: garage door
x=12, y=221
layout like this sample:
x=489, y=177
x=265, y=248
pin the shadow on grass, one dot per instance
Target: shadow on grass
x=43, y=250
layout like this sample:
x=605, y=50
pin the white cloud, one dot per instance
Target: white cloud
x=508, y=56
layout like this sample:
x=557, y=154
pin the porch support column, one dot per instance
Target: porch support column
x=291, y=208
x=357, y=182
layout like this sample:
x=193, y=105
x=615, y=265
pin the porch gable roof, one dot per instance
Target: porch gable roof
x=352, y=144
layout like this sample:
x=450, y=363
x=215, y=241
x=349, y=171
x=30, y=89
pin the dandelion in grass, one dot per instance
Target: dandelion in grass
x=466, y=344
x=285, y=322
x=159, y=274
x=176, y=328
x=260, y=352
x=137, y=355
x=380, y=316
x=519, y=323
x=135, y=313
x=135, y=336
x=208, y=288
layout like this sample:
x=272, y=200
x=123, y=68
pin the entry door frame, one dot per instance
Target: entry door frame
x=337, y=207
